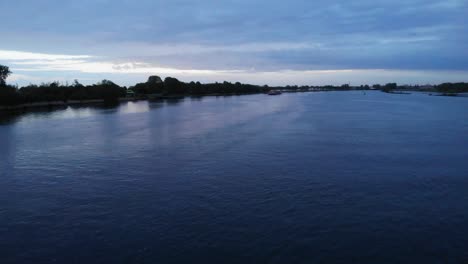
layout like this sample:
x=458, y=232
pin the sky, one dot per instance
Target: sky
x=296, y=42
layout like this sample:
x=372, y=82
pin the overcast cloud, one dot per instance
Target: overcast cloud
x=273, y=42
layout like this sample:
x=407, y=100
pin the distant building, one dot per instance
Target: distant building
x=426, y=87
x=130, y=93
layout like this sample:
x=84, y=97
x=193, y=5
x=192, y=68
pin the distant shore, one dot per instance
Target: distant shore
x=58, y=104
x=139, y=97
x=55, y=94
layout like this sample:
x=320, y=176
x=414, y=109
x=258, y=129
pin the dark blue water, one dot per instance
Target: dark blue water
x=339, y=177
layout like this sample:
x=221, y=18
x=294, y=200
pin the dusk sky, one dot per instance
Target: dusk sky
x=261, y=42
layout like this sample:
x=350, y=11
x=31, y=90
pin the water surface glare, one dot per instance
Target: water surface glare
x=336, y=177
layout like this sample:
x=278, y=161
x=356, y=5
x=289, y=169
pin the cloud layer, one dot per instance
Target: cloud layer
x=242, y=39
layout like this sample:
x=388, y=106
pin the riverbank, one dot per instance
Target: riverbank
x=149, y=97
x=53, y=104
x=450, y=94
x=58, y=104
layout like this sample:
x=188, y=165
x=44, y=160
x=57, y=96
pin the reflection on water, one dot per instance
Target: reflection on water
x=134, y=107
x=72, y=112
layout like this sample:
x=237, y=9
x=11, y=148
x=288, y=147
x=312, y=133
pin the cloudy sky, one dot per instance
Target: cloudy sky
x=263, y=41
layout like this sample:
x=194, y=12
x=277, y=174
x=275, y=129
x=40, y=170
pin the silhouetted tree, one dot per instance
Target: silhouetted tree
x=173, y=86
x=4, y=73
x=155, y=85
x=109, y=91
x=8, y=94
x=154, y=80
x=389, y=87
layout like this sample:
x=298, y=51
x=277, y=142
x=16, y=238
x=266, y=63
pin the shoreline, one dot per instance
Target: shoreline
x=54, y=104
x=58, y=104
x=150, y=98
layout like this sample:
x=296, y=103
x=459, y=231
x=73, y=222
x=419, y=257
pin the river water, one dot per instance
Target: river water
x=332, y=177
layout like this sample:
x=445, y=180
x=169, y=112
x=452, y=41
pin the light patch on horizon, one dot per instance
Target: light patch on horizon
x=86, y=67
x=28, y=66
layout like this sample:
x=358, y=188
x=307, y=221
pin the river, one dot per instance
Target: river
x=325, y=177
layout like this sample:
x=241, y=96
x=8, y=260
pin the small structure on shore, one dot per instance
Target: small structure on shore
x=130, y=93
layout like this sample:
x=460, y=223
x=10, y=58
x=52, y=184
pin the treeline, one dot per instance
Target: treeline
x=445, y=88
x=110, y=92
x=48, y=92
x=389, y=87
x=172, y=86
x=452, y=88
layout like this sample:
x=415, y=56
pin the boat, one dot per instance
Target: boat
x=274, y=92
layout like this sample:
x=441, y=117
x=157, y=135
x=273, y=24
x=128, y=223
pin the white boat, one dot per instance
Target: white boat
x=274, y=92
